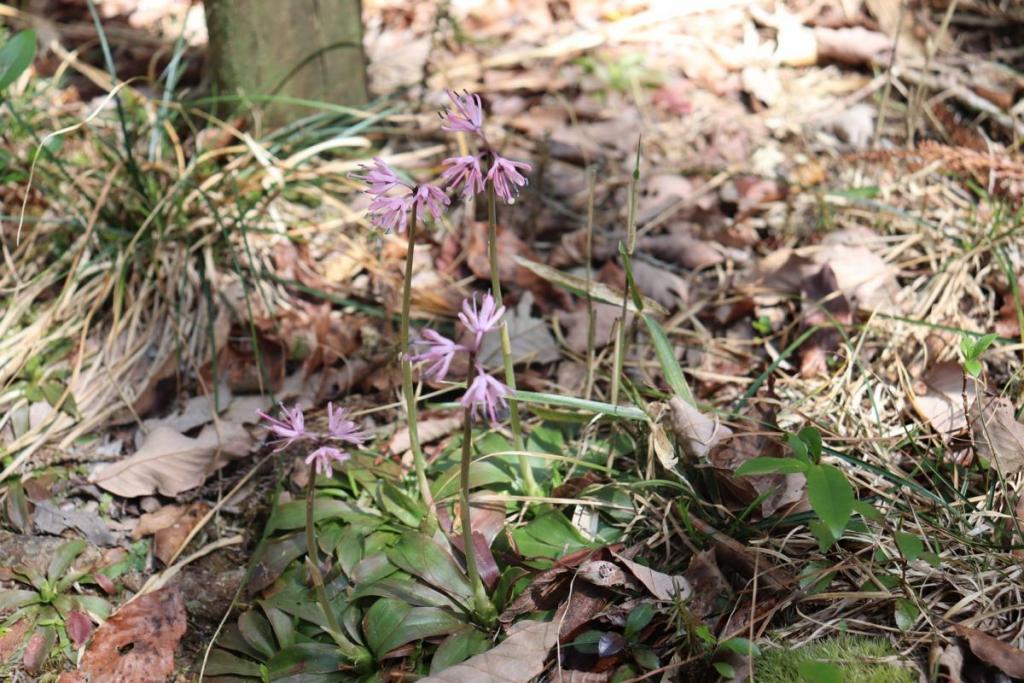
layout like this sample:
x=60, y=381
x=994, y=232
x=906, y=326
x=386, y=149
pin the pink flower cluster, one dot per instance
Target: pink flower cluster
x=466, y=116
x=485, y=395
x=390, y=211
x=291, y=428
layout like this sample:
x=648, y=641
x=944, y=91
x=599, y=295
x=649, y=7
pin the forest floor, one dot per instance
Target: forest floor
x=764, y=298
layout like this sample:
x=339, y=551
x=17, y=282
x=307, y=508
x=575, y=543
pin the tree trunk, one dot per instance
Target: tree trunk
x=270, y=52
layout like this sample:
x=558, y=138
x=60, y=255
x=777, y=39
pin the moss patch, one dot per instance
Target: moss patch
x=862, y=660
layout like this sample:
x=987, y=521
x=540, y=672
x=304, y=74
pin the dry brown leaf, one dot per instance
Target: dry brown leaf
x=707, y=582
x=531, y=338
x=939, y=398
x=169, y=537
x=695, y=432
x=688, y=252
x=574, y=325
x=171, y=463
x=853, y=46
x=1003, y=656
x=517, y=659
x=998, y=436
x=665, y=287
x=146, y=631
x=662, y=586
x=429, y=430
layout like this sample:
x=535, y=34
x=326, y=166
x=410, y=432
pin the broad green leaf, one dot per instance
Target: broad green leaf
x=866, y=510
x=600, y=643
x=420, y=556
x=799, y=447
x=972, y=367
x=400, y=586
x=292, y=515
x=12, y=599
x=63, y=558
x=458, y=647
x=822, y=533
x=93, y=605
x=812, y=437
x=281, y=623
x=742, y=646
x=306, y=658
x=550, y=535
x=816, y=577
x=725, y=670
x=764, y=465
x=906, y=613
x=223, y=663
x=831, y=496
x=231, y=639
x=820, y=672
x=372, y=568
x=257, y=632
x=481, y=473
x=646, y=658
x=392, y=623
x=408, y=511
x=910, y=545
x=15, y=56
x=638, y=619
x=667, y=359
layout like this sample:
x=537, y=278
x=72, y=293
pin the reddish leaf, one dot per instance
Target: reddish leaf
x=38, y=648
x=137, y=643
x=1003, y=656
x=79, y=627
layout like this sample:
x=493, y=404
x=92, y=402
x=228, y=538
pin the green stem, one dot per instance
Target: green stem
x=484, y=608
x=430, y=521
x=359, y=656
x=529, y=484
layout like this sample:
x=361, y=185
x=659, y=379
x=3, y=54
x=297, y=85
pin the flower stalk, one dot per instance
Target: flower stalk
x=530, y=487
x=408, y=390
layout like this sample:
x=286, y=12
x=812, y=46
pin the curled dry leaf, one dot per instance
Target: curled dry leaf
x=688, y=252
x=168, y=538
x=170, y=462
x=695, y=432
x=939, y=398
x=1003, y=656
x=998, y=436
x=429, y=430
x=518, y=659
x=662, y=586
x=137, y=643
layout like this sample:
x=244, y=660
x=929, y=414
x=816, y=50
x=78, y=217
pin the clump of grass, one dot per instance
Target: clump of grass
x=862, y=660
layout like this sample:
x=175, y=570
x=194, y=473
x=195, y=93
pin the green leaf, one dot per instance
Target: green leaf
x=866, y=510
x=982, y=344
x=401, y=586
x=638, y=619
x=52, y=392
x=223, y=663
x=257, y=632
x=910, y=545
x=481, y=473
x=420, y=556
x=12, y=599
x=646, y=658
x=812, y=437
x=814, y=578
x=593, y=407
x=759, y=466
x=550, y=535
x=33, y=394
x=822, y=533
x=742, y=646
x=16, y=507
x=972, y=367
x=292, y=515
x=667, y=359
x=906, y=613
x=306, y=659
x=831, y=496
x=725, y=670
x=281, y=623
x=820, y=672
x=63, y=558
x=631, y=287
x=458, y=647
x=392, y=623
x=408, y=511
x=15, y=56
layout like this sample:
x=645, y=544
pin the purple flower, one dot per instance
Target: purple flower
x=289, y=429
x=322, y=458
x=431, y=198
x=390, y=213
x=341, y=428
x=464, y=171
x=487, y=391
x=440, y=351
x=481, y=320
x=467, y=116
x=380, y=178
x=505, y=177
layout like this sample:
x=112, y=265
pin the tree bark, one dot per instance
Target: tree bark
x=272, y=52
